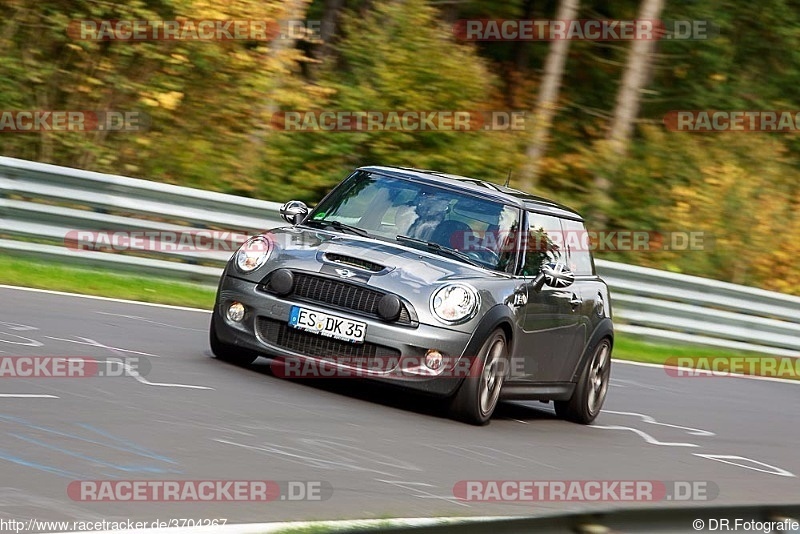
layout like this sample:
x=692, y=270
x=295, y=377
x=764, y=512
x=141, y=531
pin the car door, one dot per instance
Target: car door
x=550, y=321
x=587, y=290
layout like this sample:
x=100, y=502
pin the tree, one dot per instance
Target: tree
x=633, y=81
x=329, y=28
x=395, y=57
x=547, y=101
x=627, y=105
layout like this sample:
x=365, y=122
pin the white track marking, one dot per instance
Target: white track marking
x=467, y=454
x=28, y=341
x=620, y=382
x=498, y=452
x=296, y=455
x=207, y=426
x=146, y=320
x=488, y=458
x=93, y=343
x=293, y=455
x=650, y=420
x=107, y=299
x=645, y=436
x=17, y=327
x=134, y=373
x=421, y=493
x=26, y=396
x=139, y=378
x=728, y=459
x=356, y=454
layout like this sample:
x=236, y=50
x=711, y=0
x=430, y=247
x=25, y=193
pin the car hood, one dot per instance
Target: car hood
x=318, y=251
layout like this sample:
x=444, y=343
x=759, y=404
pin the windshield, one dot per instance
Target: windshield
x=483, y=230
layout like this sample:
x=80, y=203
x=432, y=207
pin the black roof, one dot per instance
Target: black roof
x=480, y=187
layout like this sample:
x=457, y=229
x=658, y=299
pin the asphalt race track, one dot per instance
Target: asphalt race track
x=383, y=453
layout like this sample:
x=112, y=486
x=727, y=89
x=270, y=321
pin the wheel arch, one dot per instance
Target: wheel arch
x=499, y=316
x=604, y=330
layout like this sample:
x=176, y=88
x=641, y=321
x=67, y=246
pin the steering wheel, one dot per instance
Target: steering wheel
x=482, y=254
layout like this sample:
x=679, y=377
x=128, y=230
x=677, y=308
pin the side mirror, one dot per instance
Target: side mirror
x=553, y=275
x=294, y=212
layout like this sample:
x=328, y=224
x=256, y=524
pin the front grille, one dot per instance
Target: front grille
x=355, y=262
x=340, y=294
x=282, y=335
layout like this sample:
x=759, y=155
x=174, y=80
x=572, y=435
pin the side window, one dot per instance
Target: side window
x=544, y=243
x=576, y=241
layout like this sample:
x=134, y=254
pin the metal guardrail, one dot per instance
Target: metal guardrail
x=45, y=203
x=41, y=204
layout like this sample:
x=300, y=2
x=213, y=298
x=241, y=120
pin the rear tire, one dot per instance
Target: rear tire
x=226, y=352
x=477, y=397
x=590, y=391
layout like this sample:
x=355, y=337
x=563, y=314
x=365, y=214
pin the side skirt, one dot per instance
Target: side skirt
x=537, y=391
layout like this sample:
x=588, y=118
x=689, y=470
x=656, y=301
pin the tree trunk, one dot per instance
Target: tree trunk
x=548, y=98
x=521, y=48
x=293, y=10
x=633, y=81
x=627, y=105
x=329, y=28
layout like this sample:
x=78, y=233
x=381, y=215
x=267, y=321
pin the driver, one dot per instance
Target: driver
x=429, y=211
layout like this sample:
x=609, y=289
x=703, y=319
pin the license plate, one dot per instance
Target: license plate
x=327, y=325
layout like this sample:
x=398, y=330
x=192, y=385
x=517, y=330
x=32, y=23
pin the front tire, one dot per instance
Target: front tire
x=590, y=391
x=226, y=352
x=476, y=399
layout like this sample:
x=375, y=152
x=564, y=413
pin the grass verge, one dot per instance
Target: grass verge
x=60, y=277
x=706, y=358
x=628, y=347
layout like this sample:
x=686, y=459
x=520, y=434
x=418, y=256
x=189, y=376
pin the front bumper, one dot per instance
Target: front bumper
x=410, y=343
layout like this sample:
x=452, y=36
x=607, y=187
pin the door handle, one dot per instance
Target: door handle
x=575, y=301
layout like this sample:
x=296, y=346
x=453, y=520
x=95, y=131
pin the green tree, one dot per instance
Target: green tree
x=397, y=57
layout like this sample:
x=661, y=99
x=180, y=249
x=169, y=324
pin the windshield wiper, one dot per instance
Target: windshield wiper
x=342, y=227
x=440, y=249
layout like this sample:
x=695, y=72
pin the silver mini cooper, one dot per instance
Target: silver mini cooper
x=441, y=284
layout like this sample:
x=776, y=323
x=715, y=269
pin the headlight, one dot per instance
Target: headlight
x=454, y=302
x=252, y=254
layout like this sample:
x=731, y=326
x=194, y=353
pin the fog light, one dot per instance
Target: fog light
x=236, y=312
x=433, y=359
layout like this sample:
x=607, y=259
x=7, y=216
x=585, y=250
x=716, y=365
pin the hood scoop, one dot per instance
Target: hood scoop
x=354, y=262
